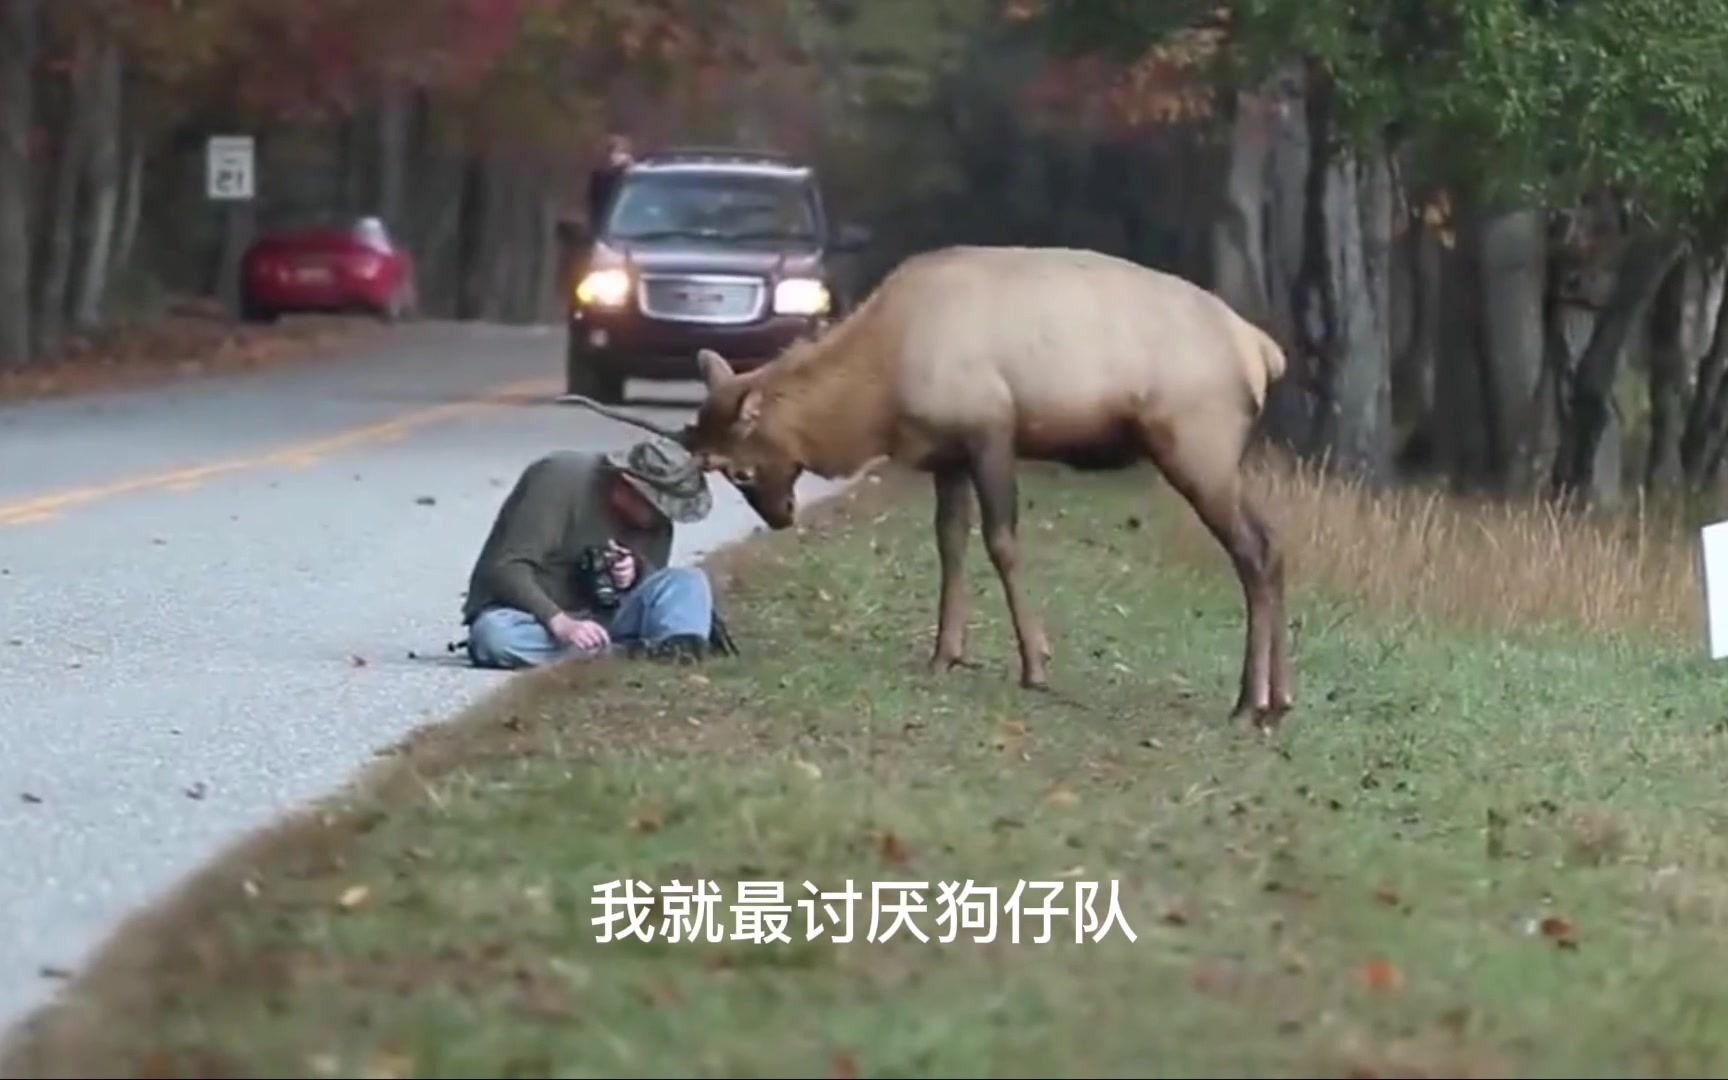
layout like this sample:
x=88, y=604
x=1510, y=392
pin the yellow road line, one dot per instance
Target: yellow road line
x=44, y=507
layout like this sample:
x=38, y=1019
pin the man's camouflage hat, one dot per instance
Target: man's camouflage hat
x=668, y=477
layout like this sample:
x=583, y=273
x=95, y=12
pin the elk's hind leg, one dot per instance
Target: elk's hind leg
x=953, y=528
x=1201, y=457
x=993, y=475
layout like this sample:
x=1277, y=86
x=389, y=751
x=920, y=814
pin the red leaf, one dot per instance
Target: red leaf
x=845, y=1066
x=1382, y=975
x=1560, y=930
x=893, y=849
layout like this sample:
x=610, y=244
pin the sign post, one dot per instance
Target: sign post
x=229, y=182
x=1715, y=559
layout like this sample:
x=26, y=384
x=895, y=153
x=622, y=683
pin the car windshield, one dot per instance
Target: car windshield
x=709, y=206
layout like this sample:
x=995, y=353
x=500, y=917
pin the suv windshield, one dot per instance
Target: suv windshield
x=712, y=206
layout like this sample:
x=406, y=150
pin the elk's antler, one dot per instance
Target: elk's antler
x=624, y=417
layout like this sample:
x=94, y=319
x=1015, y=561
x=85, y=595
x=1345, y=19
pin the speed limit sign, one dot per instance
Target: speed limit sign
x=229, y=163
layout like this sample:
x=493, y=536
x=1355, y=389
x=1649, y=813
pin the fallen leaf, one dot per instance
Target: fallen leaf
x=353, y=896
x=893, y=849
x=809, y=769
x=1382, y=975
x=357, y=660
x=662, y=994
x=426, y=500
x=197, y=790
x=322, y=1064
x=1560, y=930
x=1010, y=733
x=1387, y=896
x=1072, y=872
x=30, y=798
x=1176, y=917
x=844, y=1067
x=389, y=1066
x=1455, y=1020
x=1062, y=797
x=648, y=819
x=51, y=972
x=1214, y=977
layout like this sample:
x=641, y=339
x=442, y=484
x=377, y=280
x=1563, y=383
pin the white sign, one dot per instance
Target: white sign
x=229, y=167
x=1715, y=542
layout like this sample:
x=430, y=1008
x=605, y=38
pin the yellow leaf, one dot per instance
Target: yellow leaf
x=353, y=896
x=390, y=1066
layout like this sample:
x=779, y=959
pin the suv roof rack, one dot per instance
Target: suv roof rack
x=718, y=154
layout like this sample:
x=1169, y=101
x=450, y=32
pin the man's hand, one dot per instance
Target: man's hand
x=581, y=633
x=623, y=566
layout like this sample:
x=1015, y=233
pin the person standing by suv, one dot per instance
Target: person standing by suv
x=603, y=181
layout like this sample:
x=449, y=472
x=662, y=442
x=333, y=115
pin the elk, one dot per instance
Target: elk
x=966, y=360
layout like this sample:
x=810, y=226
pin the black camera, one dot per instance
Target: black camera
x=594, y=570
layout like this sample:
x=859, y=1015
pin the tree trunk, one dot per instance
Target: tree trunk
x=393, y=115
x=131, y=206
x=1290, y=416
x=17, y=107
x=1466, y=436
x=77, y=127
x=1238, y=238
x=1670, y=343
x=1707, y=415
x=1589, y=399
x=1414, y=366
x=1513, y=282
x=104, y=179
x=1346, y=276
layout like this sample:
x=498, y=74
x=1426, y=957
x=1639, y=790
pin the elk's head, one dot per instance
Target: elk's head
x=729, y=435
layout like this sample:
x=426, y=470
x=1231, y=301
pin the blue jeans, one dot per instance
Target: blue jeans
x=673, y=600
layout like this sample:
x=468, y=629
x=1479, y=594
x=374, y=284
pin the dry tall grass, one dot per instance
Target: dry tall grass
x=1492, y=565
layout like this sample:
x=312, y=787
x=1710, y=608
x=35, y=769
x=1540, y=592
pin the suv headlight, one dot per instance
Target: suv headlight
x=604, y=288
x=801, y=296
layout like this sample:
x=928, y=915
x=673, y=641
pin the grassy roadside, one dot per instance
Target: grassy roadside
x=1480, y=847
x=191, y=339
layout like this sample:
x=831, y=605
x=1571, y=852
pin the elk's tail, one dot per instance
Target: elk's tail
x=1263, y=362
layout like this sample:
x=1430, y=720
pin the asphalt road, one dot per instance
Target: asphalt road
x=187, y=574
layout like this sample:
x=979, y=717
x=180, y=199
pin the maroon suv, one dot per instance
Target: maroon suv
x=701, y=248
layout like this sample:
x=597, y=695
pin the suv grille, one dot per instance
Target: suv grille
x=703, y=298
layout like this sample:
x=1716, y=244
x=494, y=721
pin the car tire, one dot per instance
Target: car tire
x=584, y=374
x=403, y=304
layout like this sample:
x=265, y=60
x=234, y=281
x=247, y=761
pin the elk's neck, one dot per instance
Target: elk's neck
x=834, y=411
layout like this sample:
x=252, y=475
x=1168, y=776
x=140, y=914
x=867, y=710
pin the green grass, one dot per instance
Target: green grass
x=1465, y=854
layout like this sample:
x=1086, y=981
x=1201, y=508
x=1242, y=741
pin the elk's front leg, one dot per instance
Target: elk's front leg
x=999, y=506
x=953, y=529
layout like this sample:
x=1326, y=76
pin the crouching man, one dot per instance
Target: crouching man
x=575, y=523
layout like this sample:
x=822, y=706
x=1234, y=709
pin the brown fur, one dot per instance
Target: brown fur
x=968, y=358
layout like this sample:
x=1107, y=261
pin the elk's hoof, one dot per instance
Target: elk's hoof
x=1258, y=719
x=942, y=664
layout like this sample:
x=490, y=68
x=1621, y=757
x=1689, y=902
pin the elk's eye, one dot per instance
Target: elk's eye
x=744, y=474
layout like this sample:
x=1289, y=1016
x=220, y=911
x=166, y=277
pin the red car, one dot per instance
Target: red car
x=327, y=268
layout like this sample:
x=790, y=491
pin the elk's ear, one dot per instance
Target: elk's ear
x=749, y=411
x=715, y=369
